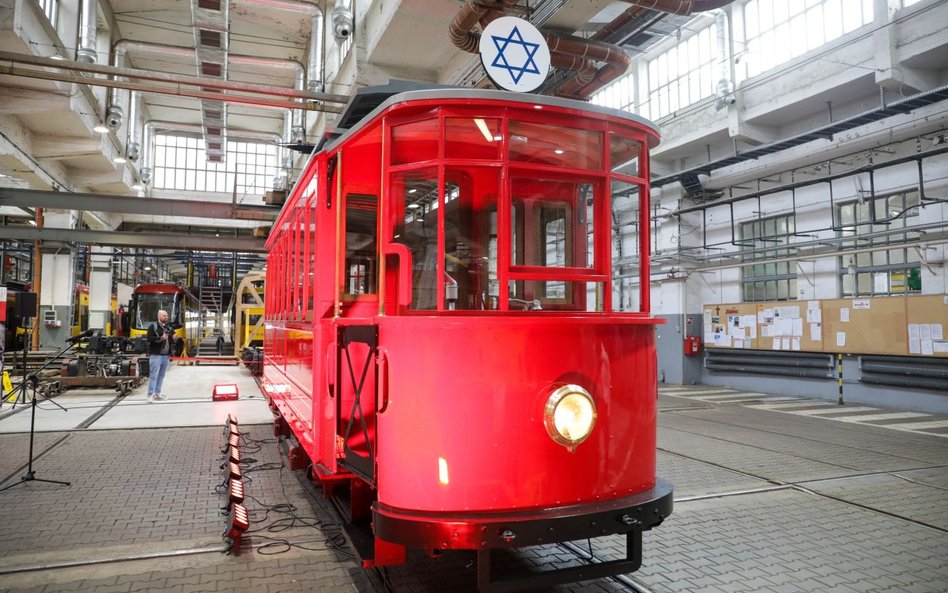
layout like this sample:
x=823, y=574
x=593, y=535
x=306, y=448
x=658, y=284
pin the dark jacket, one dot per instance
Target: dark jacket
x=155, y=332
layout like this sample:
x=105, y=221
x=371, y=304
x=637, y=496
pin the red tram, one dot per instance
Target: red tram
x=442, y=333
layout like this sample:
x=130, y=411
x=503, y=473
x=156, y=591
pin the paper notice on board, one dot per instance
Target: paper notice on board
x=940, y=347
x=795, y=344
x=812, y=305
x=776, y=344
x=816, y=332
x=840, y=339
x=861, y=303
x=749, y=321
x=784, y=343
x=914, y=333
x=844, y=315
x=738, y=342
x=794, y=312
x=927, y=348
x=925, y=331
x=937, y=332
x=915, y=346
x=797, y=327
x=753, y=332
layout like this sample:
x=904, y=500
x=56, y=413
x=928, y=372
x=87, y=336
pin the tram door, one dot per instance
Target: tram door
x=357, y=339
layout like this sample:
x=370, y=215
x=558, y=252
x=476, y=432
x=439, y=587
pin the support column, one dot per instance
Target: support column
x=57, y=288
x=100, y=290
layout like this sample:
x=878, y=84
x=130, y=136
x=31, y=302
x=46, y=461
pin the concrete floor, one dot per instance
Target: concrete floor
x=188, y=389
x=770, y=498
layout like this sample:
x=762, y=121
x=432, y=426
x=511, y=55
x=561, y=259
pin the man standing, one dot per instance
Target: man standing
x=160, y=346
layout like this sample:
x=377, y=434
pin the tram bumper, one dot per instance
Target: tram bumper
x=472, y=531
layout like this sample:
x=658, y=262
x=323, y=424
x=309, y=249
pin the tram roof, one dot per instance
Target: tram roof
x=355, y=108
x=157, y=288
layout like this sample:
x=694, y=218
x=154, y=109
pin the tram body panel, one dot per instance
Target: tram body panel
x=481, y=414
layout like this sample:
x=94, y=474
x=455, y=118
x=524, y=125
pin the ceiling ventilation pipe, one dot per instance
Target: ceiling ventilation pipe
x=567, y=52
x=298, y=130
x=314, y=70
x=314, y=75
x=682, y=7
x=87, y=33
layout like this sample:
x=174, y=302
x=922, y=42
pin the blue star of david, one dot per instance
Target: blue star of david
x=515, y=38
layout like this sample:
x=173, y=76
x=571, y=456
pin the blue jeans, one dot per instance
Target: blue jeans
x=157, y=365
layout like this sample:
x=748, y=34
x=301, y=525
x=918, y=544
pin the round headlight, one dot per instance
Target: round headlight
x=570, y=415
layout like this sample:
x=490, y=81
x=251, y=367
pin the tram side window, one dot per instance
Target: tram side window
x=361, y=244
x=311, y=266
x=416, y=227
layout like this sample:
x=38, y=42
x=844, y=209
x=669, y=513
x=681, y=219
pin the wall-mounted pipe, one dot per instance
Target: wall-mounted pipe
x=724, y=90
x=87, y=32
x=314, y=75
x=133, y=144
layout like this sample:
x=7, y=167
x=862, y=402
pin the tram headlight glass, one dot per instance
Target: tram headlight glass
x=570, y=415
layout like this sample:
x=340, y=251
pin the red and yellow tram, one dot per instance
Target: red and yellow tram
x=183, y=313
x=442, y=332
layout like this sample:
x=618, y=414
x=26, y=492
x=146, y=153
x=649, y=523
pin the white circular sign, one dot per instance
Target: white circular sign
x=514, y=54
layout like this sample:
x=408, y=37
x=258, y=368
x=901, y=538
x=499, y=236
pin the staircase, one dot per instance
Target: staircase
x=211, y=321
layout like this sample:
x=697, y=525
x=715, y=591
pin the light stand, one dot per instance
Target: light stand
x=30, y=475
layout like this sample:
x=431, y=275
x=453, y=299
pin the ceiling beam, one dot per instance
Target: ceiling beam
x=31, y=198
x=171, y=78
x=162, y=240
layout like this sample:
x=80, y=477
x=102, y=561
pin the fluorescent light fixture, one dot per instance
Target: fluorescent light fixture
x=413, y=206
x=147, y=268
x=119, y=159
x=559, y=151
x=101, y=129
x=482, y=126
x=411, y=191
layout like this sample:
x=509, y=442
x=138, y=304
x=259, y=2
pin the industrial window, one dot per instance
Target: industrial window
x=618, y=95
x=51, y=9
x=776, y=31
x=766, y=240
x=887, y=271
x=683, y=75
x=181, y=164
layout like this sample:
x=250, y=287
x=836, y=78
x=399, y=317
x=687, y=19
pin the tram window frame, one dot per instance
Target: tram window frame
x=370, y=272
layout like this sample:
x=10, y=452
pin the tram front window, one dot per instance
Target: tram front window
x=148, y=305
x=553, y=226
x=416, y=227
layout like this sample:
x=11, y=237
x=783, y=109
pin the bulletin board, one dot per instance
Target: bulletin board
x=894, y=325
x=784, y=325
x=930, y=311
x=728, y=326
x=866, y=326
